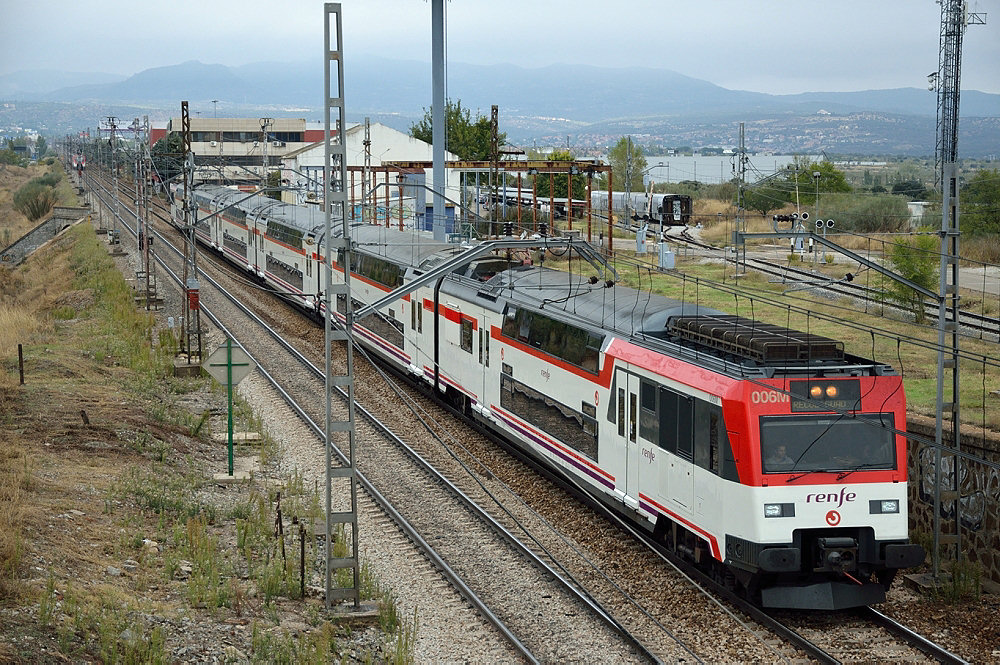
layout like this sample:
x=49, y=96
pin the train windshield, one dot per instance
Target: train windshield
x=827, y=443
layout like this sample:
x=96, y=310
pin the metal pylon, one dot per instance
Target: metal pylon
x=335, y=209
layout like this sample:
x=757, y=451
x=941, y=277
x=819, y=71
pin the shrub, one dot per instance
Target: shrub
x=874, y=214
x=34, y=200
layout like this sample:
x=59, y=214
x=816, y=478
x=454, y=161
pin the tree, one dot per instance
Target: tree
x=912, y=189
x=618, y=156
x=917, y=260
x=41, y=147
x=559, y=180
x=763, y=199
x=831, y=180
x=980, y=200
x=874, y=214
x=8, y=156
x=167, y=156
x=468, y=139
x=273, y=182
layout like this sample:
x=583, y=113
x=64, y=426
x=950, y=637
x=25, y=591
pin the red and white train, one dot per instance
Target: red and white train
x=770, y=457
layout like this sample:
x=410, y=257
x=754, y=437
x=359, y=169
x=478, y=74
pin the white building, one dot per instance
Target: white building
x=303, y=168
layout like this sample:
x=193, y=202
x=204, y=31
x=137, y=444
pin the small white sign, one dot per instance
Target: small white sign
x=217, y=364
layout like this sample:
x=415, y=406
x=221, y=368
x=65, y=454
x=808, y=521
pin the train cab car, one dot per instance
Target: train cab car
x=818, y=517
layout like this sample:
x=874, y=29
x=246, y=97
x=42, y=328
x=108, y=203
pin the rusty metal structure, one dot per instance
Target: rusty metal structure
x=532, y=167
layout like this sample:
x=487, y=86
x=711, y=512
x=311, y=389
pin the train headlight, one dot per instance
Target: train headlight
x=883, y=506
x=779, y=510
x=831, y=392
x=816, y=392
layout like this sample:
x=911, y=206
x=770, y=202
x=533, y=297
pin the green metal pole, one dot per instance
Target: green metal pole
x=229, y=393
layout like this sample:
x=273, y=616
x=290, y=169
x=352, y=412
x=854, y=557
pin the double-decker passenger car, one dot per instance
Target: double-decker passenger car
x=770, y=457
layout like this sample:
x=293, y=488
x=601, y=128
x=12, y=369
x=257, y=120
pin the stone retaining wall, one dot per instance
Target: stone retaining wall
x=979, y=495
x=59, y=219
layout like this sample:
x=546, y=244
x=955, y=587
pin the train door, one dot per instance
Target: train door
x=627, y=402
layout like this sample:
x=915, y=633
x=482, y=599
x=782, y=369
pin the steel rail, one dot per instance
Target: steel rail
x=453, y=578
x=474, y=600
x=935, y=651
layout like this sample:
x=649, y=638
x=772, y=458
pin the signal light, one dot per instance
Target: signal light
x=831, y=391
x=816, y=391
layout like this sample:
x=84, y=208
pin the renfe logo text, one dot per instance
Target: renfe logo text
x=832, y=497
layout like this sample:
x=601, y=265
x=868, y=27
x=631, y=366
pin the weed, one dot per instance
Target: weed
x=269, y=646
x=64, y=313
x=828, y=258
x=964, y=582
x=404, y=642
x=46, y=603
x=196, y=428
x=388, y=613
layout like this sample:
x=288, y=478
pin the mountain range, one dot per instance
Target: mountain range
x=549, y=101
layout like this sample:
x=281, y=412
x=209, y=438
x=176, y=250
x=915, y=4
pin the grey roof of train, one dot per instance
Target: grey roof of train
x=571, y=296
x=620, y=308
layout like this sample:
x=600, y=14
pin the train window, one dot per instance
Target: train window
x=706, y=435
x=420, y=319
x=487, y=348
x=827, y=443
x=632, y=416
x=576, y=346
x=413, y=317
x=648, y=422
x=589, y=418
x=685, y=429
x=465, y=339
x=668, y=420
x=572, y=427
x=676, y=424
x=480, y=346
x=621, y=412
x=647, y=394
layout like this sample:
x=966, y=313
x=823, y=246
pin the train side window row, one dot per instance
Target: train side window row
x=376, y=269
x=290, y=274
x=386, y=327
x=234, y=244
x=285, y=234
x=689, y=427
x=577, y=429
x=576, y=346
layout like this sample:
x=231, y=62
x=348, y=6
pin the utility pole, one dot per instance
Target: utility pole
x=439, y=221
x=192, y=307
x=628, y=179
x=147, y=237
x=335, y=206
x=494, y=165
x=947, y=80
x=264, y=124
x=741, y=176
x=112, y=123
x=366, y=186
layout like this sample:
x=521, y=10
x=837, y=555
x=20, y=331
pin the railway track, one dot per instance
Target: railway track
x=970, y=324
x=498, y=576
x=591, y=574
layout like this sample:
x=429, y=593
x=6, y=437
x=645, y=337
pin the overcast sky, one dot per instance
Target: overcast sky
x=773, y=46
